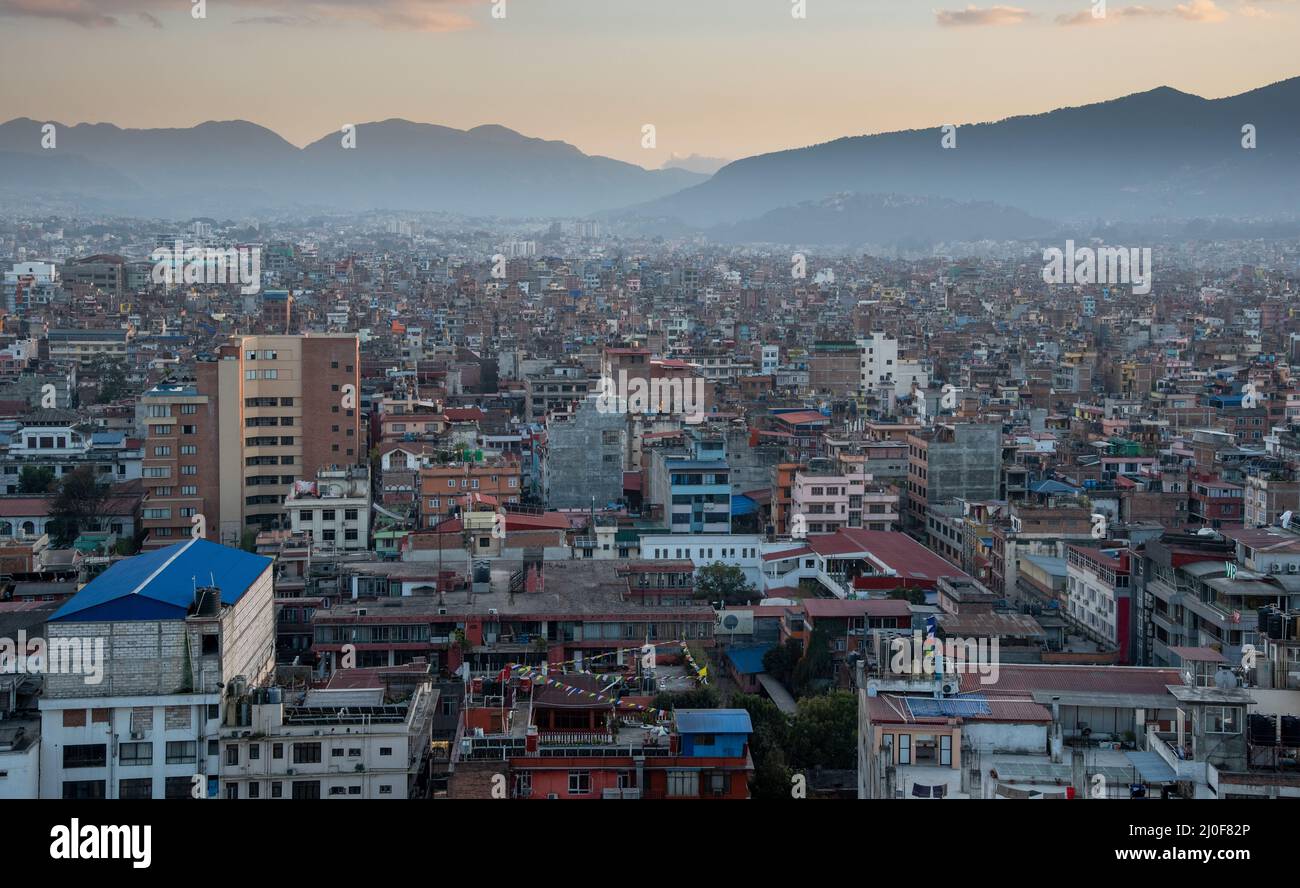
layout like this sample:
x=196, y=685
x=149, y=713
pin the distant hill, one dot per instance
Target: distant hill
x=1158, y=154
x=235, y=167
x=855, y=219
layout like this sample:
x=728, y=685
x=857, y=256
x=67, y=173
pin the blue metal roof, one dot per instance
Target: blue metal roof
x=748, y=660
x=713, y=721
x=1152, y=767
x=160, y=585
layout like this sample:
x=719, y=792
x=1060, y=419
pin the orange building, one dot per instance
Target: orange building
x=457, y=487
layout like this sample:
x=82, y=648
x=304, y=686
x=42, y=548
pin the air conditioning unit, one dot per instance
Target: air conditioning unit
x=137, y=735
x=1293, y=568
x=1275, y=568
x=551, y=795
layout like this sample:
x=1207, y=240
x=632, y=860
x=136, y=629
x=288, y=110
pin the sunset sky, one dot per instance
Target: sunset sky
x=722, y=78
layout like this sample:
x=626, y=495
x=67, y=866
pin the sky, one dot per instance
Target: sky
x=719, y=78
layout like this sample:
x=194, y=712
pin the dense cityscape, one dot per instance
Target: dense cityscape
x=411, y=461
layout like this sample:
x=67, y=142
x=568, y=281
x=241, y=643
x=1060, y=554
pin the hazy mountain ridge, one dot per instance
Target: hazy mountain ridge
x=855, y=219
x=235, y=167
x=1161, y=153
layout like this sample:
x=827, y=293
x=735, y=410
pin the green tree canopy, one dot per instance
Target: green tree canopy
x=725, y=583
x=825, y=731
x=35, y=479
x=79, y=506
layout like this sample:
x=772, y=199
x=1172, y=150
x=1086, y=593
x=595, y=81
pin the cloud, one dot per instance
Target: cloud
x=410, y=15
x=1190, y=11
x=1200, y=11
x=973, y=16
x=1133, y=12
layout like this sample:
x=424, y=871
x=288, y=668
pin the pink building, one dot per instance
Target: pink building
x=830, y=499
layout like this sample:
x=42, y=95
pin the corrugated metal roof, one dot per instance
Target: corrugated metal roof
x=748, y=660
x=713, y=721
x=1152, y=767
x=160, y=585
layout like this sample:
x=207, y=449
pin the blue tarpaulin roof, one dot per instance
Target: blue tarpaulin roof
x=748, y=660
x=160, y=585
x=1049, y=486
x=742, y=505
x=713, y=721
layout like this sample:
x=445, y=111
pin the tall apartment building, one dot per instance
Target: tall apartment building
x=962, y=461
x=880, y=365
x=260, y=414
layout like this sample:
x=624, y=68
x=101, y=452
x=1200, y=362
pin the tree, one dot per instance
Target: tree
x=725, y=583
x=771, y=777
x=35, y=479
x=913, y=595
x=696, y=698
x=825, y=731
x=79, y=506
x=816, y=670
x=780, y=661
x=112, y=382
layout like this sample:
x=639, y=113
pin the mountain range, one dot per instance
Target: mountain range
x=236, y=168
x=1161, y=155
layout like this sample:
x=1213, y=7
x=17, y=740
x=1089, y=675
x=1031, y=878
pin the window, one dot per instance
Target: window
x=307, y=789
x=136, y=788
x=232, y=754
x=83, y=789
x=178, y=788
x=277, y=790
x=683, y=784
x=254, y=790
x=135, y=754
x=303, y=754
x=181, y=752
x=1222, y=720
x=85, y=755
x=579, y=782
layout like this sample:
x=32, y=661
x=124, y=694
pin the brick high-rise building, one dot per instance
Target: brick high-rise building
x=261, y=413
